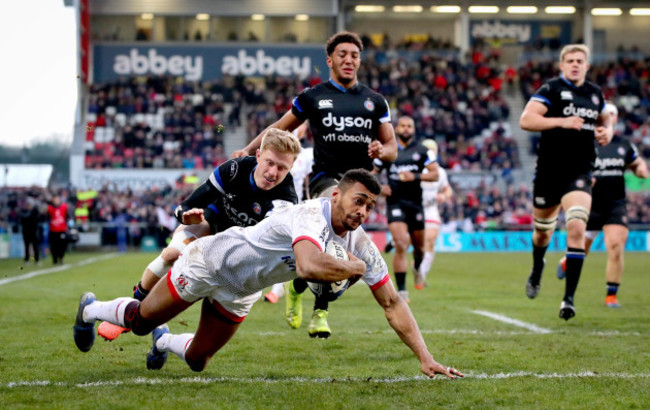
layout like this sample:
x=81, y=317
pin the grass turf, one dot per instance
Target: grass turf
x=598, y=359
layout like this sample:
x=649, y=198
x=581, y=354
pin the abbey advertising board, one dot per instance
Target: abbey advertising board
x=203, y=62
x=520, y=32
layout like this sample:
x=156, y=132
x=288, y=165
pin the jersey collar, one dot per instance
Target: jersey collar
x=252, y=180
x=341, y=88
x=569, y=83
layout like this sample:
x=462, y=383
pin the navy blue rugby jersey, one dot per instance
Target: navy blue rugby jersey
x=611, y=163
x=414, y=158
x=343, y=123
x=564, y=151
x=231, y=198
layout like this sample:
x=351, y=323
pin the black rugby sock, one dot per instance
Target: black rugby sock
x=538, y=261
x=575, y=257
x=400, y=280
x=299, y=285
x=612, y=288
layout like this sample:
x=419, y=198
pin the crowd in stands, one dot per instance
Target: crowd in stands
x=165, y=122
x=155, y=122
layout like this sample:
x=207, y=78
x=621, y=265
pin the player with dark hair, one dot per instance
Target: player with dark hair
x=239, y=192
x=609, y=210
x=351, y=126
x=229, y=270
x=568, y=111
x=404, y=208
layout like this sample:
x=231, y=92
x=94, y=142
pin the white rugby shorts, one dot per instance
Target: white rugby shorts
x=190, y=280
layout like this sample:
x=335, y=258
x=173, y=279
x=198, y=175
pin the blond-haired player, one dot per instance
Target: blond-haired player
x=240, y=192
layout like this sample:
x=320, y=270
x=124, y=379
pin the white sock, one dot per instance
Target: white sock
x=427, y=262
x=111, y=311
x=278, y=289
x=177, y=344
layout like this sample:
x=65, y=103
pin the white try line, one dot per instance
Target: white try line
x=56, y=269
x=207, y=380
x=511, y=321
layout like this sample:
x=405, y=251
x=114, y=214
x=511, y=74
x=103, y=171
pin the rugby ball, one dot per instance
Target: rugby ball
x=331, y=290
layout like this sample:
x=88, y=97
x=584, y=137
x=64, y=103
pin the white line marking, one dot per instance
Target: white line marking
x=612, y=333
x=511, y=321
x=207, y=380
x=56, y=269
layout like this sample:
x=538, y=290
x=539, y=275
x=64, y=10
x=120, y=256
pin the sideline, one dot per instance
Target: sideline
x=57, y=268
x=511, y=321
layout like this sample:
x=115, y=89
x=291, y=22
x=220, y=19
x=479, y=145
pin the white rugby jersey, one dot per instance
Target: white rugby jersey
x=430, y=189
x=247, y=260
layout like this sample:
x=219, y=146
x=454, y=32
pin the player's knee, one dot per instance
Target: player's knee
x=401, y=244
x=615, y=249
x=198, y=364
x=577, y=213
x=545, y=225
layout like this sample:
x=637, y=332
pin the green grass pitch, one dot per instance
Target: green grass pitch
x=599, y=359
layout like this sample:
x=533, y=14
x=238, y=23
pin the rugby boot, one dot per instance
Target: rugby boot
x=84, y=332
x=318, y=326
x=612, y=302
x=293, y=311
x=110, y=331
x=533, y=284
x=155, y=358
x=567, y=310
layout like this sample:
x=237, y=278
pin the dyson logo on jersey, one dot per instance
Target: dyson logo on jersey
x=580, y=111
x=603, y=163
x=396, y=169
x=237, y=217
x=260, y=63
x=152, y=62
x=340, y=123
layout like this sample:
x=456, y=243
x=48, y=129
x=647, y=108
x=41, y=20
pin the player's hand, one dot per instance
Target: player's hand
x=193, y=216
x=386, y=191
x=441, y=198
x=431, y=368
x=359, y=267
x=239, y=153
x=602, y=135
x=406, y=176
x=375, y=149
x=573, y=123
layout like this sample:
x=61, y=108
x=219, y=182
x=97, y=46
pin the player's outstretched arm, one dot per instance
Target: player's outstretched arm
x=314, y=265
x=402, y=321
x=288, y=122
